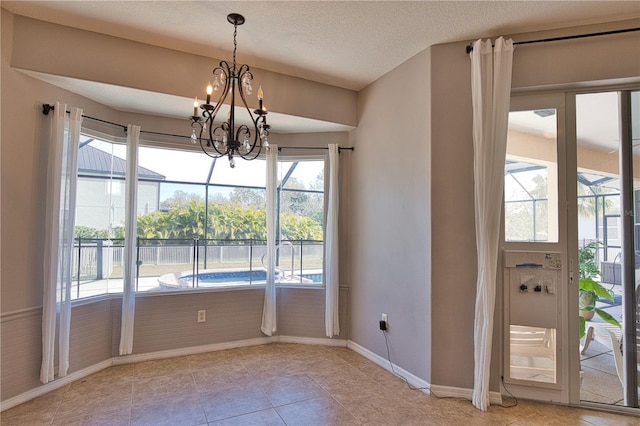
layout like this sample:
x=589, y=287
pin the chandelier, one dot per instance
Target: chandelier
x=219, y=139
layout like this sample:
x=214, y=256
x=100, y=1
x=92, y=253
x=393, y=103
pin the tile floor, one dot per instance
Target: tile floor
x=276, y=384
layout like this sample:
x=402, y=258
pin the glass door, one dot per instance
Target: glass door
x=608, y=223
x=534, y=256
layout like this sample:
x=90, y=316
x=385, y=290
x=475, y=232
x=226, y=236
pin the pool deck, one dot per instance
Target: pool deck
x=92, y=288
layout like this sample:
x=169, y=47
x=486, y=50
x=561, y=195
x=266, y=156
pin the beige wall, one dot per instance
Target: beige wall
x=390, y=221
x=44, y=47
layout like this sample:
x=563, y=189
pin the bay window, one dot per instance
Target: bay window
x=200, y=224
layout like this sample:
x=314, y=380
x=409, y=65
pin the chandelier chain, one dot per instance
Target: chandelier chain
x=235, y=46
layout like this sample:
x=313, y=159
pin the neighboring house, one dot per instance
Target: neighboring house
x=101, y=194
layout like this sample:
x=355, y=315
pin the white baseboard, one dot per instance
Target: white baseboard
x=148, y=356
x=464, y=393
x=441, y=391
x=412, y=379
x=129, y=359
x=324, y=341
x=53, y=385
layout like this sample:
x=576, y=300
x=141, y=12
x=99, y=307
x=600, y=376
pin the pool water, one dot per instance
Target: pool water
x=229, y=277
x=223, y=277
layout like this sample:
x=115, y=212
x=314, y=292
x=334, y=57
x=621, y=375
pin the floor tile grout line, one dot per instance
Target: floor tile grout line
x=197, y=393
x=58, y=404
x=131, y=401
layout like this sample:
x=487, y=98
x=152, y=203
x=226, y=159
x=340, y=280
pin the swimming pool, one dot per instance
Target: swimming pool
x=219, y=278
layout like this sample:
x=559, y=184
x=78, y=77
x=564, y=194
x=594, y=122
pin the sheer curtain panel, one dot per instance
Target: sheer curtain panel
x=490, y=92
x=269, y=323
x=332, y=325
x=62, y=177
x=130, y=233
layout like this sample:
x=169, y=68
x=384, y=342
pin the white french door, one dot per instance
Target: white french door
x=536, y=287
x=572, y=180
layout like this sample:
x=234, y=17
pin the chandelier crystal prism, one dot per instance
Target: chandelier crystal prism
x=224, y=138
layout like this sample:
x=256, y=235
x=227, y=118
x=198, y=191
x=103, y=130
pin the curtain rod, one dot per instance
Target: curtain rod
x=46, y=108
x=469, y=47
x=314, y=147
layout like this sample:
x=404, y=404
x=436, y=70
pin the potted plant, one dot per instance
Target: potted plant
x=590, y=290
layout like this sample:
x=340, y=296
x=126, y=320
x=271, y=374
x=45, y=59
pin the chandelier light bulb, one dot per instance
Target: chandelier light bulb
x=209, y=92
x=195, y=107
x=260, y=96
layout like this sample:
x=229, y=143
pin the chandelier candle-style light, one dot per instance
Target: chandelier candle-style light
x=219, y=139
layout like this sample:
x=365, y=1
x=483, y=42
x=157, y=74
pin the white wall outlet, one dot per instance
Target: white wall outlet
x=202, y=316
x=385, y=318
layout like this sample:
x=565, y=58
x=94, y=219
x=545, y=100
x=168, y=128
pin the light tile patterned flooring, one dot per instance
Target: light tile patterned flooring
x=275, y=384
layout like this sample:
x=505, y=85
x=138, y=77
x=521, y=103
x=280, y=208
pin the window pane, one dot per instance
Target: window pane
x=245, y=173
x=99, y=218
x=171, y=213
x=301, y=230
x=531, y=180
x=532, y=354
x=173, y=165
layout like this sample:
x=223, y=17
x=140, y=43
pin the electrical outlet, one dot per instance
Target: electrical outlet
x=384, y=325
x=202, y=316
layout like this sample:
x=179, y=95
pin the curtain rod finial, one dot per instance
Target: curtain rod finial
x=469, y=48
x=46, y=108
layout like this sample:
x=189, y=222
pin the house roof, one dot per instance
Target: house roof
x=94, y=161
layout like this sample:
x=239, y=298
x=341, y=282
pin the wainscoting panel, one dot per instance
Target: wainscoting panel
x=90, y=341
x=170, y=321
x=21, y=352
x=301, y=312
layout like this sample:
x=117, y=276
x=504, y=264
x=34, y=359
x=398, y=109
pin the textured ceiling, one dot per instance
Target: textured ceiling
x=347, y=44
x=343, y=43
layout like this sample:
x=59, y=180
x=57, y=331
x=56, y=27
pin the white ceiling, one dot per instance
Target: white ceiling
x=347, y=44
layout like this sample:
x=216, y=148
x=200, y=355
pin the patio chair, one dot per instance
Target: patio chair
x=612, y=337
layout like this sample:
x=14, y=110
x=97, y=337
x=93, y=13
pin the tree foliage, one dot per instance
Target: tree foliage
x=87, y=232
x=242, y=216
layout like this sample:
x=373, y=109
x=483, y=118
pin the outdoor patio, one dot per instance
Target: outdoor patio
x=600, y=381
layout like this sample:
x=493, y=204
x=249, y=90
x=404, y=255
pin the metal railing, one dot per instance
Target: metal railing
x=97, y=260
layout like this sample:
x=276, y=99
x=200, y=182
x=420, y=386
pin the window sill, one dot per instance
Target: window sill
x=200, y=290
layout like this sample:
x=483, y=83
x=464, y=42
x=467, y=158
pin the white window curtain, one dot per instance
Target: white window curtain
x=130, y=233
x=62, y=177
x=490, y=91
x=332, y=325
x=269, y=323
